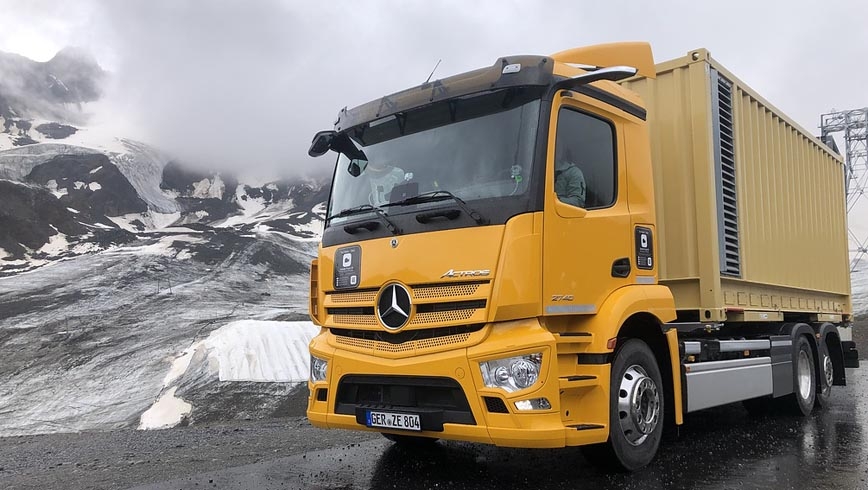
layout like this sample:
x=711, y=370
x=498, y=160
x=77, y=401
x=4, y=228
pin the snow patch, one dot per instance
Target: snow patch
x=73, y=211
x=56, y=244
x=254, y=350
x=206, y=188
x=250, y=207
x=96, y=170
x=167, y=411
x=3, y=254
x=52, y=186
x=86, y=248
x=94, y=186
x=163, y=220
x=80, y=185
x=180, y=365
x=161, y=247
x=152, y=220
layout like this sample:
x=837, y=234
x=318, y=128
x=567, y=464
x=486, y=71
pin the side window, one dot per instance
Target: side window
x=585, y=173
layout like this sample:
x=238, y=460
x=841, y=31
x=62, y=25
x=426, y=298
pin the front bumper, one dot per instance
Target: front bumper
x=446, y=389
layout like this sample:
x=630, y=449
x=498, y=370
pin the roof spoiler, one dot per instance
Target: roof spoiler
x=635, y=54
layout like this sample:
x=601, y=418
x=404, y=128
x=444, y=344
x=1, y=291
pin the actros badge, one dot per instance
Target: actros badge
x=469, y=273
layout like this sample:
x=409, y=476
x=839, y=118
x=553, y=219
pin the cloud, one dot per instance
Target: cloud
x=246, y=84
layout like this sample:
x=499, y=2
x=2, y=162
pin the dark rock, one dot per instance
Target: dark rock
x=55, y=130
x=30, y=215
x=24, y=141
x=114, y=197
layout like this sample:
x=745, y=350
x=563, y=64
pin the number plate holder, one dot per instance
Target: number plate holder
x=393, y=420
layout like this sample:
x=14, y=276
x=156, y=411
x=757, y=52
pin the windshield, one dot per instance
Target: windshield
x=475, y=147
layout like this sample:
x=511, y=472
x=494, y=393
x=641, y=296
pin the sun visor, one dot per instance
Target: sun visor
x=635, y=54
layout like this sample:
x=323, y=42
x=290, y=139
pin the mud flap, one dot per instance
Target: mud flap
x=851, y=355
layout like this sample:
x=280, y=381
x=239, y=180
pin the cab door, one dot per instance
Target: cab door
x=587, y=240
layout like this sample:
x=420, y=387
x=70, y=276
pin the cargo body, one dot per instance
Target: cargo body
x=750, y=207
x=537, y=254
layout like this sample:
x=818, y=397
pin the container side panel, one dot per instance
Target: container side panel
x=791, y=200
x=790, y=196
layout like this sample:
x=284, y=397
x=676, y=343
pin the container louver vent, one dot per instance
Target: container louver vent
x=724, y=161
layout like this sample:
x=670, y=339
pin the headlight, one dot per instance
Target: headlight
x=513, y=373
x=318, y=369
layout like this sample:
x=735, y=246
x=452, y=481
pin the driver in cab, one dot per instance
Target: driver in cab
x=383, y=177
x=569, y=180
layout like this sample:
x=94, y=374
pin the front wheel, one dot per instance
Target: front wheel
x=635, y=410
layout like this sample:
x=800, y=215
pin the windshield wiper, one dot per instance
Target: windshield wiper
x=435, y=196
x=364, y=208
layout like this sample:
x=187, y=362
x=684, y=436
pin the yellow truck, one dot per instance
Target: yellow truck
x=574, y=250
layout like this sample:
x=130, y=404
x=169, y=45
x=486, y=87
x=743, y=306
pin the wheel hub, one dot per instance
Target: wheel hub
x=828, y=370
x=804, y=373
x=638, y=405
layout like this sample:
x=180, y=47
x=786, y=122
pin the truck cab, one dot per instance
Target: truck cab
x=488, y=269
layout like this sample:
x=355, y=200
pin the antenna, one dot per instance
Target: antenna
x=432, y=71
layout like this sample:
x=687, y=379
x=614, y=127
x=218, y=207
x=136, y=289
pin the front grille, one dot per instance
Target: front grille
x=454, y=311
x=447, y=290
x=495, y=405
x=443, y=395
x=351, y=310
x=450, y=306
x=356, y=319
x=358, y=296
x=407, y=341
x=415, y=345
x=406, y=336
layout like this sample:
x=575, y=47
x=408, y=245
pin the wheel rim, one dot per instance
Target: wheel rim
x=804, y=375
x=638, y=405
x=828, y=371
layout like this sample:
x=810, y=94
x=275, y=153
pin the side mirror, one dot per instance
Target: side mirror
x=321, y=143
x=357, y=166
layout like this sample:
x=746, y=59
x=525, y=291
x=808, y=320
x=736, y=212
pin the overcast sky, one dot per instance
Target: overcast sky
x=249, y=82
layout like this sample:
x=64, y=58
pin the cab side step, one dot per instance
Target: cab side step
x=585, y=426
x=576, y=381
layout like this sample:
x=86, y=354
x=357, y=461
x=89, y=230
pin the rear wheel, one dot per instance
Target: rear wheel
x=635, y=410
x=801, y=401
x=826, y=376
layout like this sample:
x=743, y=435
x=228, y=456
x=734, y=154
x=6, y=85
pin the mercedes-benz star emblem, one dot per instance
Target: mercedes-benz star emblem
x=394, y=306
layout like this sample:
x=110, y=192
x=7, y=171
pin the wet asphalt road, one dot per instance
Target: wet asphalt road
x=716, y=449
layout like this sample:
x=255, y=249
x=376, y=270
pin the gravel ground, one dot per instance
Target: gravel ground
x=124, y=458
x=718, y=448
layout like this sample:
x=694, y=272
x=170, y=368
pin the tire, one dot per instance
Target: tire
x=826, y=376
x=409, y=441
x=636, y=410
x=801, y=401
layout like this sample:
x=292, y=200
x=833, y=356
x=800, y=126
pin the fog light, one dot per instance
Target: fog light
x=533, y=404
x=512, y=373
x=318, y=369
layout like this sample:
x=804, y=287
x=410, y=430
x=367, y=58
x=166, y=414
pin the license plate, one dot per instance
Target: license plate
x=389, y=420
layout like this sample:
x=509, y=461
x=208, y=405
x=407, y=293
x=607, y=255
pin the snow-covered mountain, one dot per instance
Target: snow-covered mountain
x=135, y=291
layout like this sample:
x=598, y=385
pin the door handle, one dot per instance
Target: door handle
x=621, y=267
